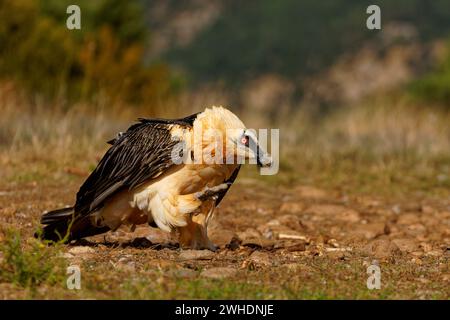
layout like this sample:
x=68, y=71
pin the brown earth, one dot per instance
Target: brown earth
x=275, y=242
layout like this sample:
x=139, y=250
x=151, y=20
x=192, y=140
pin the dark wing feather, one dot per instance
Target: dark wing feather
x=189, y=120
x=142, y=153
x=230, y=181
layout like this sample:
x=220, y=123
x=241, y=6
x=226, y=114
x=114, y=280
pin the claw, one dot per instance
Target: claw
x=213, y=191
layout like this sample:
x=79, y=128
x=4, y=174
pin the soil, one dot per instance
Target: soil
x=303, y=241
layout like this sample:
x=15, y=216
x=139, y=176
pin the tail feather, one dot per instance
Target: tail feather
x=57, y=215
x=63, y=225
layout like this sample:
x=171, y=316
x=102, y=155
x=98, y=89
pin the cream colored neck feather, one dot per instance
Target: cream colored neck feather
x=213, y=125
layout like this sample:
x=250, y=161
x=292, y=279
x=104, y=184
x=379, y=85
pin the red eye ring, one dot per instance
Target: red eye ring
x=244, y=140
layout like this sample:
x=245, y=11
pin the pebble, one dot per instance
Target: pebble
x=406, y=245
x=260, y=258
x=218, y=273
x=381, y=248
x=81, y=250
x=196, y=255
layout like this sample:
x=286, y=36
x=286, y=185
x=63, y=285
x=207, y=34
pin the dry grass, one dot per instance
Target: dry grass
x=364, y=147
x=380, y=127
x=396, y=153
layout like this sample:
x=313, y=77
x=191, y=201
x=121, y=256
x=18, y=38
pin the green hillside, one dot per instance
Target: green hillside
x=295, y=38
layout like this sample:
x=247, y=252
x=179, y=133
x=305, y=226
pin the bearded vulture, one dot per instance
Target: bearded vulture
x=152, y=174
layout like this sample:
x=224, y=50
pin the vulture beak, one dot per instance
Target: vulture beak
x=263, y=158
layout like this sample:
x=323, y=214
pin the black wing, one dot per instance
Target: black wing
x=230, y=181
x=142, y=153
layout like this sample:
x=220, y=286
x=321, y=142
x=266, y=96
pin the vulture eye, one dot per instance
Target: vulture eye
x=245, y=140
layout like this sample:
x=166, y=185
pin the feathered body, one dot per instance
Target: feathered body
x=137, y=181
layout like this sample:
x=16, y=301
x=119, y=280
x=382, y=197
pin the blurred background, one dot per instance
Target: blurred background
x=347, y=99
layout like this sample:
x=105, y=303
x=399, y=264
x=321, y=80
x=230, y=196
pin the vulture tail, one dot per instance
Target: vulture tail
x=62, y=225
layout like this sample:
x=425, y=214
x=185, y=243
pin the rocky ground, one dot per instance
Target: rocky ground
x=275, y=242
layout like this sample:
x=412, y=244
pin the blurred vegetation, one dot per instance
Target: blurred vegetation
x=103, y=60
x=435, y=85
x=30, y=263
x=107, y=59
x=295, y=38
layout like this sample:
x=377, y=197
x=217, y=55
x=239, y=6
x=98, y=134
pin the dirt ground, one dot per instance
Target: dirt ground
x=294, y=242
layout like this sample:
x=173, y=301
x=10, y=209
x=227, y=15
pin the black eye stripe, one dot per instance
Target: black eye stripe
x=250, y=141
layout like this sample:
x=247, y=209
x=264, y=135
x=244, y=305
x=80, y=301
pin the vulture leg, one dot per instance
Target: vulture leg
x=195, y=234
x=211, y=192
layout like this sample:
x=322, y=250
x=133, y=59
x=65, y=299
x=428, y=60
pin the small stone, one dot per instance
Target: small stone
x=81, y=250
x=349, y=215
x=338, y=212
x=396, y=209
x=273, y=223
x=249, y=234
x=370, y=230
x=337, y=255
x=417, y=254
x=333, y=243
x=184, y=273
x=258, y=243
x=125, y=258
x=158, y=236
x=408, y=218
x=196, y=255
x=291, y=235
x=234, y=244
x=427, y=209
x=381, y=248
x=268, y=234
x=423, y=280
x=248, y=265
x=300, y=246
x=311, y=192
x=434, y=253
x=406, y=245
x=141, y=242
x=426, y=246
x=127, y=267
x=218, y=273
x=260, y=258
x=221, y=237
x=291, y=221
x=264, y=211
x=297, y=267
x=292, y=207
x=416, y=230
x=65, y=255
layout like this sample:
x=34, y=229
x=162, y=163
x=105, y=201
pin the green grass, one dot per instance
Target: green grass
x=39, y=270
x=393, y=176
x=30, y=263
x=329, y=281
